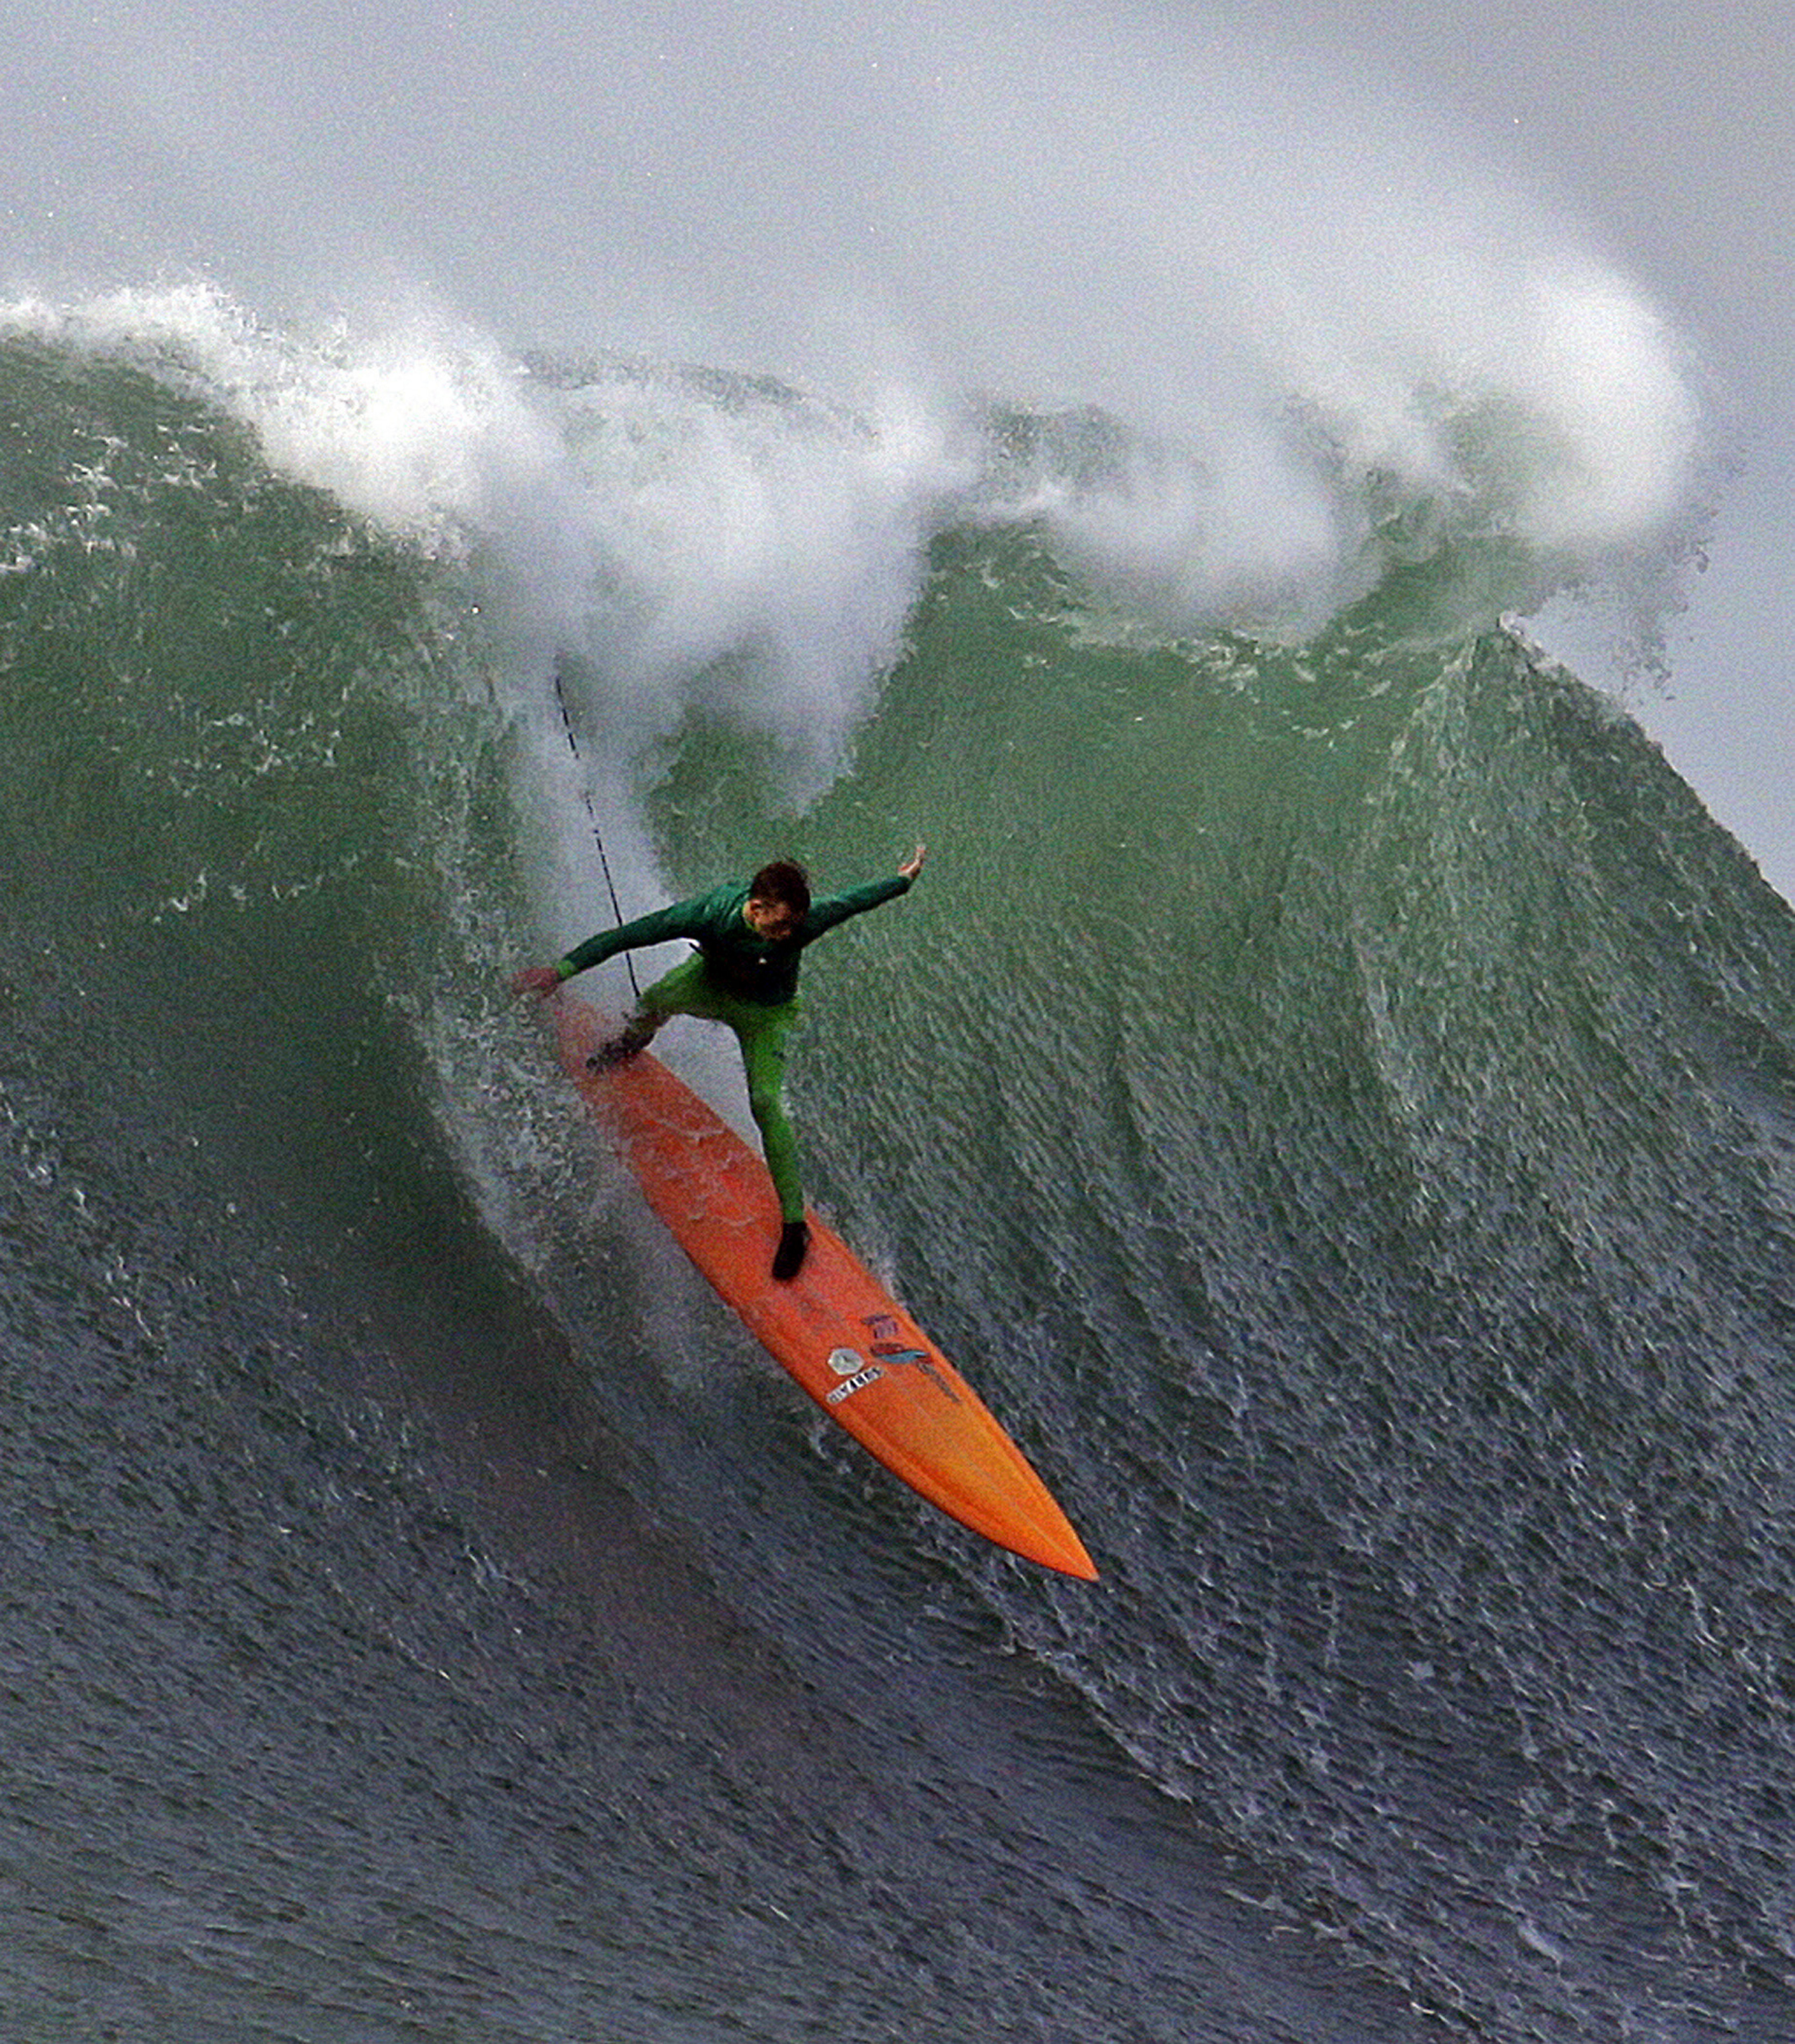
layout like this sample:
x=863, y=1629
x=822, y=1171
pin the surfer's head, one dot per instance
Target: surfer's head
x=778, y=898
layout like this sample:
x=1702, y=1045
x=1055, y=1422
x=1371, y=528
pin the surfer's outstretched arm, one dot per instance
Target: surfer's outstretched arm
x=682, y=919
x=825, y=913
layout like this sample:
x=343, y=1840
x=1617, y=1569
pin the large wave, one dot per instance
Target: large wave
x=1259, y=447
x=1284, y=1095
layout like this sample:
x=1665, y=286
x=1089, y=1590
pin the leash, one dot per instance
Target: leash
x=592, y=817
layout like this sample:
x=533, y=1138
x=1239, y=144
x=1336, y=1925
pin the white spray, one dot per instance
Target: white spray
x=1288, y=309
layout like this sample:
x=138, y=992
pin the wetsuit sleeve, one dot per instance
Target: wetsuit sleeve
x=834, y=908
x=684, y=919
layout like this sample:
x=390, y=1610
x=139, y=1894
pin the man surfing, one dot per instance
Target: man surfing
x=744, y=973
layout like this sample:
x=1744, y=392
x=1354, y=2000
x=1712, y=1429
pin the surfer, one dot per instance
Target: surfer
x=744, y=973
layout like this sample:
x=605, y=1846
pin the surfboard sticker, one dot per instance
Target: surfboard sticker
x=851, y=1346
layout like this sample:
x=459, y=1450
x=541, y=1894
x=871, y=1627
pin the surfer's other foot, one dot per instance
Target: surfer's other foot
x=619, y=1050
x=794, y=1241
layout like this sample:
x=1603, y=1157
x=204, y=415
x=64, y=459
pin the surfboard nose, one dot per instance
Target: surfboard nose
x=1060, y=1548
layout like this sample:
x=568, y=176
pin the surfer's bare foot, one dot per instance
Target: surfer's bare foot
x=794, y=1241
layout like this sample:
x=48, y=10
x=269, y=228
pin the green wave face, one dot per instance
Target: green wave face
x=1334, y=1097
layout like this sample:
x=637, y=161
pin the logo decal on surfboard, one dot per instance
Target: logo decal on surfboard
x=890, y=1346
x=902, y=1354
x=850, y=1384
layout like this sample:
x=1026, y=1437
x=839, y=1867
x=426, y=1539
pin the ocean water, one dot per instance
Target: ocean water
x=1332, y=1090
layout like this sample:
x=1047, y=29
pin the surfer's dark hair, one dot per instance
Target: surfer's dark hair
x=782, y=880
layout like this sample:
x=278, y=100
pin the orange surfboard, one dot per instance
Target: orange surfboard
x=834, y=1326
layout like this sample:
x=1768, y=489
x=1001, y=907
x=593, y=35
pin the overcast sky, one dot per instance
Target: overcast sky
x=567, y=171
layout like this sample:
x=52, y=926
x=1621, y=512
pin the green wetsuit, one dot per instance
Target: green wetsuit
x=741, y=978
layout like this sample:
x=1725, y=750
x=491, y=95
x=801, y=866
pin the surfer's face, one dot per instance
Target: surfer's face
x=774, y=920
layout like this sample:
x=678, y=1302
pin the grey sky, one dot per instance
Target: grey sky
x=680, y=175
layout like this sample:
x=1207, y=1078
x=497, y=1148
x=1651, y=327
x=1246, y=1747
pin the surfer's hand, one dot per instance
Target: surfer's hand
x=913, y=866
x=540, y=980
